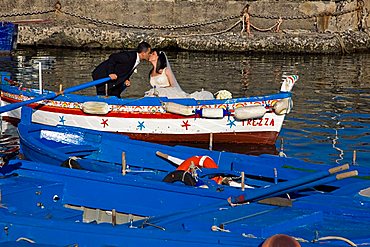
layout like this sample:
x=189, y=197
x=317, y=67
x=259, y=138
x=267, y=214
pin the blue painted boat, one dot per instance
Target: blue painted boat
x=254, y=120
x=144, y=173
x=102, y=152
x=8, y=37
x=41, y=208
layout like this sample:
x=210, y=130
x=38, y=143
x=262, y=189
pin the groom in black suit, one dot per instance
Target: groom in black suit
x=119, y=67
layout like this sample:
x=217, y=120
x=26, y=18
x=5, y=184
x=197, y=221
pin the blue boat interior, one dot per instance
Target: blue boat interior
x=94, y=147
x=314, y=216
x=341, y=214
x=286, y=195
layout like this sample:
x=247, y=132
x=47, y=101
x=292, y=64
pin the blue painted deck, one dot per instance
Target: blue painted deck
x=34, y=196
x=33, y=209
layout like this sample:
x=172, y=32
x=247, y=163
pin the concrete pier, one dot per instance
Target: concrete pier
x=208, y=25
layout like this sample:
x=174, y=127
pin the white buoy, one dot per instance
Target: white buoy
x=95, y=107
x=283, y=106
x=249, y=112
x=212, y=113
x=175, y=108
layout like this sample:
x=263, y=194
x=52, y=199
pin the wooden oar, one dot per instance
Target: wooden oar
x=281, y=188
x=322, y=181
x=252, y=198
x=52, y=95
x=174, y=160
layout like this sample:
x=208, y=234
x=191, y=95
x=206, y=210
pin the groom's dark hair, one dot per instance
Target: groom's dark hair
x=143, y=47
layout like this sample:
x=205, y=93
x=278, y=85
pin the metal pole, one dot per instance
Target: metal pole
x=123, y=163
x=210, y=147
x=354, y=158
x=243, y=181
x=40, y=78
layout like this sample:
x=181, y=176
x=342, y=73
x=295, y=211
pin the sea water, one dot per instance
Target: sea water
x=331, y=115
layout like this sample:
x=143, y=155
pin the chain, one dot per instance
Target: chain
x=173, y=27
x=337, y=13
x=197, y=24
x=39, y=12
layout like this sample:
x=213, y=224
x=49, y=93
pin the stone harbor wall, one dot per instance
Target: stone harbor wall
x=295, y=26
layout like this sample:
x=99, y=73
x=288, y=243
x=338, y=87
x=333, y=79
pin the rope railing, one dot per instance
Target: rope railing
x=246, y=23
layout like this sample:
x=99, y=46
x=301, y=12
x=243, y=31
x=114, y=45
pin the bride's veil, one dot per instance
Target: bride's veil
x=173, y=78
x=175, y=91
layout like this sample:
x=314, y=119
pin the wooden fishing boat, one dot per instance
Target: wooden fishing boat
x=117, y=154
x=108, y=152
x=255, y=120
x=44, y=205
x=146, y=177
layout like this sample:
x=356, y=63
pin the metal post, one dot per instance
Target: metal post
x=354, y=158
x=210, y=141
x=281, y=152
x=275, y=176
x=123, y=163
x=40, y=78
x=114, y=217
x=243, y=181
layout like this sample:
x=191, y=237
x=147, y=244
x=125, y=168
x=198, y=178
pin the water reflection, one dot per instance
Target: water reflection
x=331, y=112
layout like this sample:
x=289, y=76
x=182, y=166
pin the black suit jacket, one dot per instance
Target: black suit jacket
x=122, y=64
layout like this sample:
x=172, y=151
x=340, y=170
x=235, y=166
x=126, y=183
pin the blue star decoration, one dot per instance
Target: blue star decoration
x=231, y=123
x=141, y=125
x=61, y=119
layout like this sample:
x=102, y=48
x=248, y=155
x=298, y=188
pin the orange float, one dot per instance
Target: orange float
x=199, y=161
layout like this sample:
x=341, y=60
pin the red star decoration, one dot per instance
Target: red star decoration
x=186, y=124
x=104, y=122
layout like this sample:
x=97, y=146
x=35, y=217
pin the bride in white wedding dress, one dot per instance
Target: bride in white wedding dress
x=164, y=83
